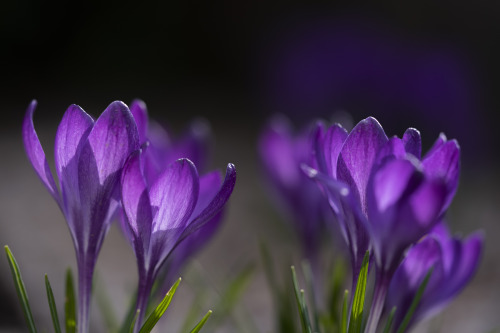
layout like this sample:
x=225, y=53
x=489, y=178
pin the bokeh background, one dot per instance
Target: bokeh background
x=433, y=66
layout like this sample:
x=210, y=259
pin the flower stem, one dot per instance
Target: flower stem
x=145, y=285
x=86, y=266
x=381, y=285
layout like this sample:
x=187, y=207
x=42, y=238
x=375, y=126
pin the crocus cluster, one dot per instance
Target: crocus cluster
x=101, y=168
x=386, y=198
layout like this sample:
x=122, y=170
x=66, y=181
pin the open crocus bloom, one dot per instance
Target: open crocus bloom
x=160, y=216
x=383, y=195
x=454, y=262
x=89, y=156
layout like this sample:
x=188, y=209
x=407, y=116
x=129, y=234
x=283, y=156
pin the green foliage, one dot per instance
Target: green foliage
x=52, y=305
x=299, y=297
x=358, y=303
x=158, y=312
x=390, y=319
x=345, y=312
x=70, y=304
x=21, y=290
x=414, y=303
x=202, y=322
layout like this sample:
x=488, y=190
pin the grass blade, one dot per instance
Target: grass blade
x=343, y=321
x=414, y=303
x=21, y=290
x=160, y=309
x=308, y=275
x=70, y=303
x=304, y=317
x=202, y=322
x=388, y=324
x=52, y=305
x=356, y=322
x=132, y=323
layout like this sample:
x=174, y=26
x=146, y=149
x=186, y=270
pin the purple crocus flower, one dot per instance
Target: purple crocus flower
x=89, y=156
x=282, y=152
x=159, y=217
x=383, y=195
x=161, y=151
x=454, y=263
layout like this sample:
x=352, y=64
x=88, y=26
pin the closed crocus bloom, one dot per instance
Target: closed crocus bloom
x=160, y=216
x=282, y=152
x=384, y=196
x=163, y=150
x=453, y=261
x=89, y=156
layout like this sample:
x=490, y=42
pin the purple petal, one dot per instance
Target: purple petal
x=277, y=154
x=174, y=196
x=426, y=204
x=358, y=156
x=136, y=203
x=438, y=143
x=394, y=148
x=195, y=144
x=388, y=184
x=444, y=162
x=36, y=154
x=111, y=140
x=140, y=114
x=331, y=147
x=70, y=137
x=413, y=142
x=209, y=187
x=216, y=205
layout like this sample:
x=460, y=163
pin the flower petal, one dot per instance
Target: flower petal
x=214, y=206
x=70, y=137
x=140, y=113
x=413, y=142
x=277, y=154
x=358, y=155
x=136, y=203
x=36, y=155
x=444, y=162
x=174, y=196
x=110, y=142
x=328, y=148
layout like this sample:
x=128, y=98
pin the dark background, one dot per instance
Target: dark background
x=433, y=66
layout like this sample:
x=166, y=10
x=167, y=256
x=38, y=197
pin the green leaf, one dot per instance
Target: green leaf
x=358, y=303
x=343, y=321
x=390, y=319
x=21, y=290
x=52, y=305
x=202, y=322
x=299, y=296
x=70, y=303
x=132, y=324
x=160, y=309
x=415, y=302
x=308, y=276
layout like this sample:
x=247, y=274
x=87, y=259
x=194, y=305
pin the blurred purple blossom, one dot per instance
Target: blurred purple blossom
x=382, y=194
x=161, y=215
x=89, y=156
x=454, y=262
x=281, y=153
